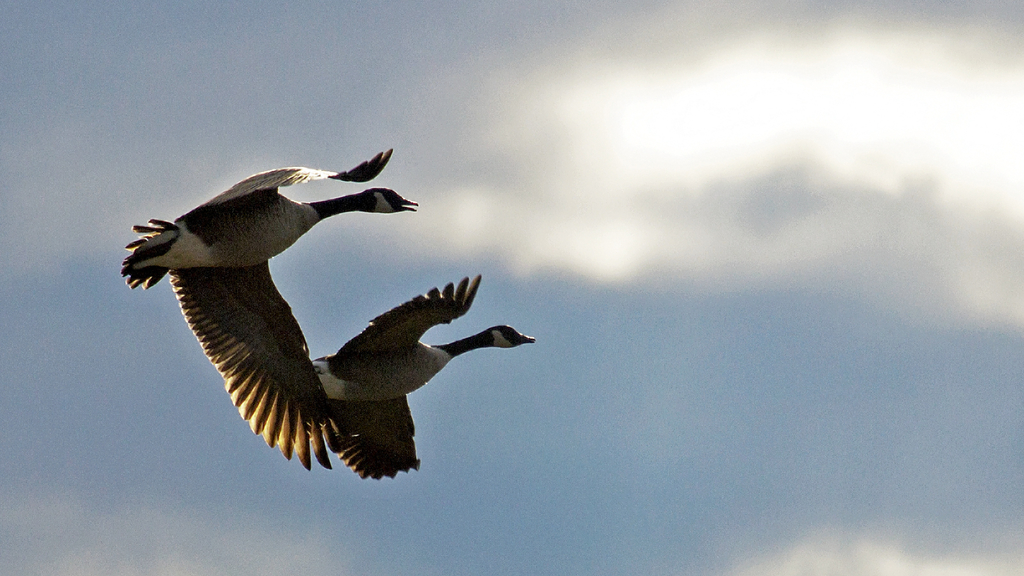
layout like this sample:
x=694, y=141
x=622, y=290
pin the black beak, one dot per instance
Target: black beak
x=405, y=205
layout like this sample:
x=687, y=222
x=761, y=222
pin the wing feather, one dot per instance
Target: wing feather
x=281, y=177
x=270, y=180
x=404, y=325
x=247, y=330
x=376, y=438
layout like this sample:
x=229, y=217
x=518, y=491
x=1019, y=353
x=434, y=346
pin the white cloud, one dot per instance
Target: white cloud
x=883, y=162
x=60, y=536
x=888, y=162
x=869, y=111
x=869, y=557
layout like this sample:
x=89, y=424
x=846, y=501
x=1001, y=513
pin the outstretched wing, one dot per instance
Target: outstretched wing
x=367, y=170
x=376, y=437
x=248, y=332
x=270, y=180
x=280, y=177
x=404, y=325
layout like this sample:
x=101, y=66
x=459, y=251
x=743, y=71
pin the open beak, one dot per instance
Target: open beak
x=406, y=205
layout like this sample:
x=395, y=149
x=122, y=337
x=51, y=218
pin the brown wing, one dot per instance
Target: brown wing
x=376, y=437
x=404, y=325
x=247, y=330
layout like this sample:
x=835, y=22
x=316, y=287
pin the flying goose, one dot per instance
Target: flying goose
x=368, y=379
x=354, y=401
x=250, y=222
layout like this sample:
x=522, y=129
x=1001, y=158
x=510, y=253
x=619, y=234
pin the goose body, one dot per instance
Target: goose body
x=249, y=223
x=380, y=375
x=354, y=402
x=368, y=379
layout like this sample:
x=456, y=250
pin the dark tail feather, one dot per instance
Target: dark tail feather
x=144, y=277
x=156, y=227
x=143, y=249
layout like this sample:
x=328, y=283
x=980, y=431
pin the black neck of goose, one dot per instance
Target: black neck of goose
x=481, y=340
x=352, y=203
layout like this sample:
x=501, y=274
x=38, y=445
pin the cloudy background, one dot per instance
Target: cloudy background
x=772, y=252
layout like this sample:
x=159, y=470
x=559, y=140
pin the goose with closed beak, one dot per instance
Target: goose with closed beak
x=367, y=381
x=250, y=222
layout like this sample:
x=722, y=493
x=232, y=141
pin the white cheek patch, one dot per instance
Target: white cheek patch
x=499, y=339
x=382, y=204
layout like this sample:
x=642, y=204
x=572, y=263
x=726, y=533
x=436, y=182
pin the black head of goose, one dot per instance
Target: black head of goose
x=368, y=379
x=249, y=223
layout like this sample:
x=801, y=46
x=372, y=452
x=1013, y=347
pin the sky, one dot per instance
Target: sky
x=772, y=254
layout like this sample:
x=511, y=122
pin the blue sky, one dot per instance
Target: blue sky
x=771, y=253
